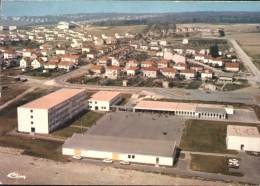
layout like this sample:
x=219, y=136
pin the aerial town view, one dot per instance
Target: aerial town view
x=129, y=92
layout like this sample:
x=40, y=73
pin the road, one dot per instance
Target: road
x=247, y=61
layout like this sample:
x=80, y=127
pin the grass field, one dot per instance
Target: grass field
x=34, y=147
x=211, y=164
x=88, y=119
x=68, y=131
x=207, y=136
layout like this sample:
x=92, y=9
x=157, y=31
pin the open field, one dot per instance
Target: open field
x=110, y=31
x=211, y=164
x=207, y=136
x=87, y=119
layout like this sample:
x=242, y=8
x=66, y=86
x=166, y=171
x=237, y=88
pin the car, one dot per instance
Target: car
x=125, y=162
x=77, y=157
x=107, y=160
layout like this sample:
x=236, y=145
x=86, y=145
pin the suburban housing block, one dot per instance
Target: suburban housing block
x=50, y=112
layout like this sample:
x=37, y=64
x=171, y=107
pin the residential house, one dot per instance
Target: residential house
x=65, y=65
x=46, y=46
x=207, y=74
x=98, y=69
x=199, y=57
x=61, y=51
x=185, y=41
x=217, y=62
x=151, y=72
x=197, y=68
x=132, y=71
x=28, y=52
x=71, y=58
x=105, y=61
x=164, y=63
x=98, y=41
x=55, y=58
x=25, y=62
x=132, y=63
x=188, y=73
x=169, y=72
x=145, y=64
x=180, y=66
x=208, y=60
x=178, y=51
x=115, y=61
x=10, y=54
x=232, y=67
x=190, y=51
x=37, y=63
x=113, y=72
x=144, y=47
x=45, y=52
x=50, y=65
x=93, y=54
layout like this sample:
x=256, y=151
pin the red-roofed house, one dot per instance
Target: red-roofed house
x=132, y=63
x=169, y=72
x=151, y=72
x=37, y=63
x=145, y=64
x=105, y=61
x=232, y=67
x=188, y=73
x=10, y=54
x=164, y=64
x=98, y=69
x=180, y=66
x=113, y=72
x=132, y=71
x=25, y=62
x=217, y=62
x=28, y=52
x=50, y=65
x=207, y=74
x=65, y=65
x=70, y=58
x=197, y=68
x=199, y=57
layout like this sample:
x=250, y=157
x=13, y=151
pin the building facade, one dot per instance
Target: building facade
x=52, y=111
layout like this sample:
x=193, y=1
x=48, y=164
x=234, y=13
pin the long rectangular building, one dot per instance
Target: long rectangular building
x=117, y=148
x=186, y=109
x=52, y=111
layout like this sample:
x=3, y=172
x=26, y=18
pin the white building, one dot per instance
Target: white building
x=243, y=138
x=135, y=150
x=63, y=25
x=52, y=111
x=103, y=100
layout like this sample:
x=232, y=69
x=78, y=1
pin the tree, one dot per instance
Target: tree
x=221, y=33
x=213, y=50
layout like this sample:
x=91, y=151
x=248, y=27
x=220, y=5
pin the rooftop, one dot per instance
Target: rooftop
x=53, y=99
x=243, y=131
x=121, y=145
x=104, y=96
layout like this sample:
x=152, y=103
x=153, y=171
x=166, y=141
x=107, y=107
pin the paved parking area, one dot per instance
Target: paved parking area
x=244, y=115
x=140, y=125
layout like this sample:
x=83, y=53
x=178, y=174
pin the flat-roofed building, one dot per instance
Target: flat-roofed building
x=103, y=100
x=157, y=152
x=186, y=109
x=52, y=111
x=243, y=138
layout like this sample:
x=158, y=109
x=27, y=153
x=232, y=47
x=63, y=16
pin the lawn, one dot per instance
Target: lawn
x=211, y=164
x=88, y=119
x=8, y=116
x=207, y=136
x=34, y=147
x=68, y=131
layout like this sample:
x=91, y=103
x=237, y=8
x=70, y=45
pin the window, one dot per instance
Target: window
x=31, y=110
x=133, y=156
x=31, y=122
x=31, y=116
x=95, y=102
x=104, y=107
x=129, y=156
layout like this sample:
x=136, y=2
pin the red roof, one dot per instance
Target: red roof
x=169, y=70
x=232, y=65
x=113, y=68
x=188, y=71
x=70, y=56
x=97, y=67
x=151, y=69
